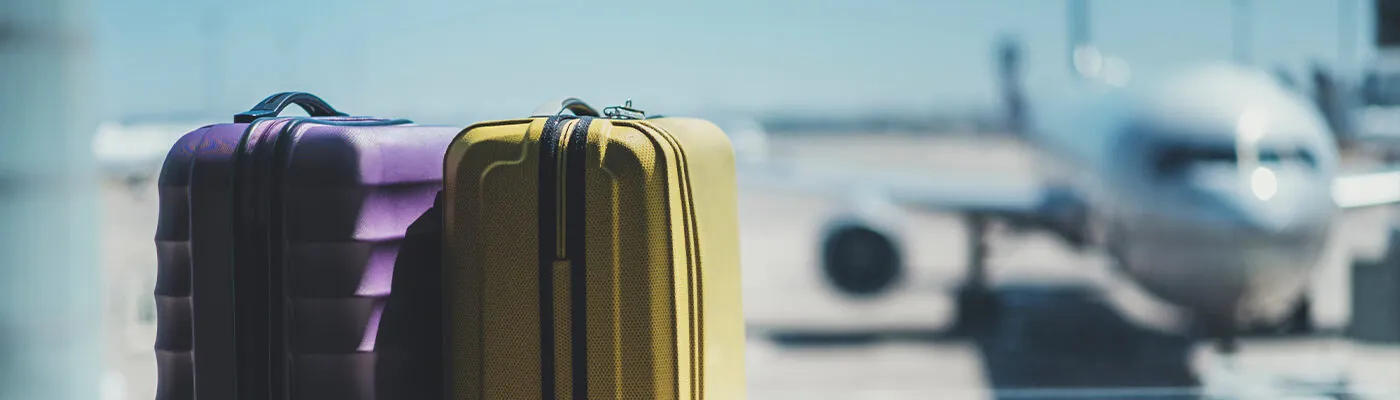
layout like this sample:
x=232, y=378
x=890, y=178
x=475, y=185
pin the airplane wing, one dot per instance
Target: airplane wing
x=943, y=191
x=1367, y=189
x=1024, y=203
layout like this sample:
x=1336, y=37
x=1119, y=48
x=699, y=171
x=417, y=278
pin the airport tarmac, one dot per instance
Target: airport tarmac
x=1063, y=336
x=1070, y=328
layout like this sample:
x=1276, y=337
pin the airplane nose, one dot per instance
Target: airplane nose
x=1237, y=248
x=1277, y=200
x=1276, y=225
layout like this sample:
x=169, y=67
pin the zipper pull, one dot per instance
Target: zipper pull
x=624, y=111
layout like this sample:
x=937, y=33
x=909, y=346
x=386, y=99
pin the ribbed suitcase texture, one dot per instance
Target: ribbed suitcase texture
x=592, y=258
x=299, y=258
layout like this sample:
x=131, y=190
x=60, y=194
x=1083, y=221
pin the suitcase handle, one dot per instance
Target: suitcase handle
x=573, y=104
x=274, y=104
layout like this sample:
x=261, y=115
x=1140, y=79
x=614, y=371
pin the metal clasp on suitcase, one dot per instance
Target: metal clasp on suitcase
x=624, y=111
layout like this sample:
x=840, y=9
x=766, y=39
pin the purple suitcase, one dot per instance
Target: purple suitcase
x=299, y=258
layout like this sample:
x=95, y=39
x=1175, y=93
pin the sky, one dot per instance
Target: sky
x=458, y=61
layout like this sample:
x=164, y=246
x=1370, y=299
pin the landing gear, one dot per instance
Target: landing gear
x=1227, y=344
x=976, y=305
x=1228, y=377
x=1300, y=320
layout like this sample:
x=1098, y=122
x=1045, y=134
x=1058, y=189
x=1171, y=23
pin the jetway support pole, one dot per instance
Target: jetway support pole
x=50, y=285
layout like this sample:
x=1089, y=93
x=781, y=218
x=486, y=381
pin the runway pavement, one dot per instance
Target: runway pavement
x=1072, y=330
x=1058, y=340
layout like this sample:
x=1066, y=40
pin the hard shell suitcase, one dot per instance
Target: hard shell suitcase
x=299, y=258
x=592, y=258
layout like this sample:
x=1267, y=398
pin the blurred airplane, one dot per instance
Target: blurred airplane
x=1214, y=189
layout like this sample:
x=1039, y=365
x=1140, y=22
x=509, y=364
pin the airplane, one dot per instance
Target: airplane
x=1214, y=189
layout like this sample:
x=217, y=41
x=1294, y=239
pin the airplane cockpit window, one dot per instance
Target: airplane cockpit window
x=1173, y=161
x=1283, y=156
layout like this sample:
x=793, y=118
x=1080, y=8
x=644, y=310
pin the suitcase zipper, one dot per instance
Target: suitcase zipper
x=562, y=214
x=561, y=198
x=251, y=282
x=262, y=367
x=548, y=231
x=575, y=148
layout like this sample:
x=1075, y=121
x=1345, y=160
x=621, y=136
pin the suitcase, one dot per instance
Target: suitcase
x=299, y=258
x=592, y=257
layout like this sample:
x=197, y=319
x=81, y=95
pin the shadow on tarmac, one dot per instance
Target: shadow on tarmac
x=1047, y=342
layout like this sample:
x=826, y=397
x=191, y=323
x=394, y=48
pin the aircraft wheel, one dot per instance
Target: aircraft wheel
x=1300, y=319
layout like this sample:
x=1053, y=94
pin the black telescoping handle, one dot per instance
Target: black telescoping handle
x=273, y=105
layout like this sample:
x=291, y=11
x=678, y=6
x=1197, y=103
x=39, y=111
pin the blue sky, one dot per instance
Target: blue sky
x=455, y=61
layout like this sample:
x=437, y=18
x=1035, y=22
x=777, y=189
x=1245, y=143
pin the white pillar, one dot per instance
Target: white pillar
x=50, y=318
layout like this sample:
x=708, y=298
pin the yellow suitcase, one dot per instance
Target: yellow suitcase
x=592, y=257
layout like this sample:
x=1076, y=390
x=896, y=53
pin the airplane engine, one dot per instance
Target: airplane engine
x=861, y=254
